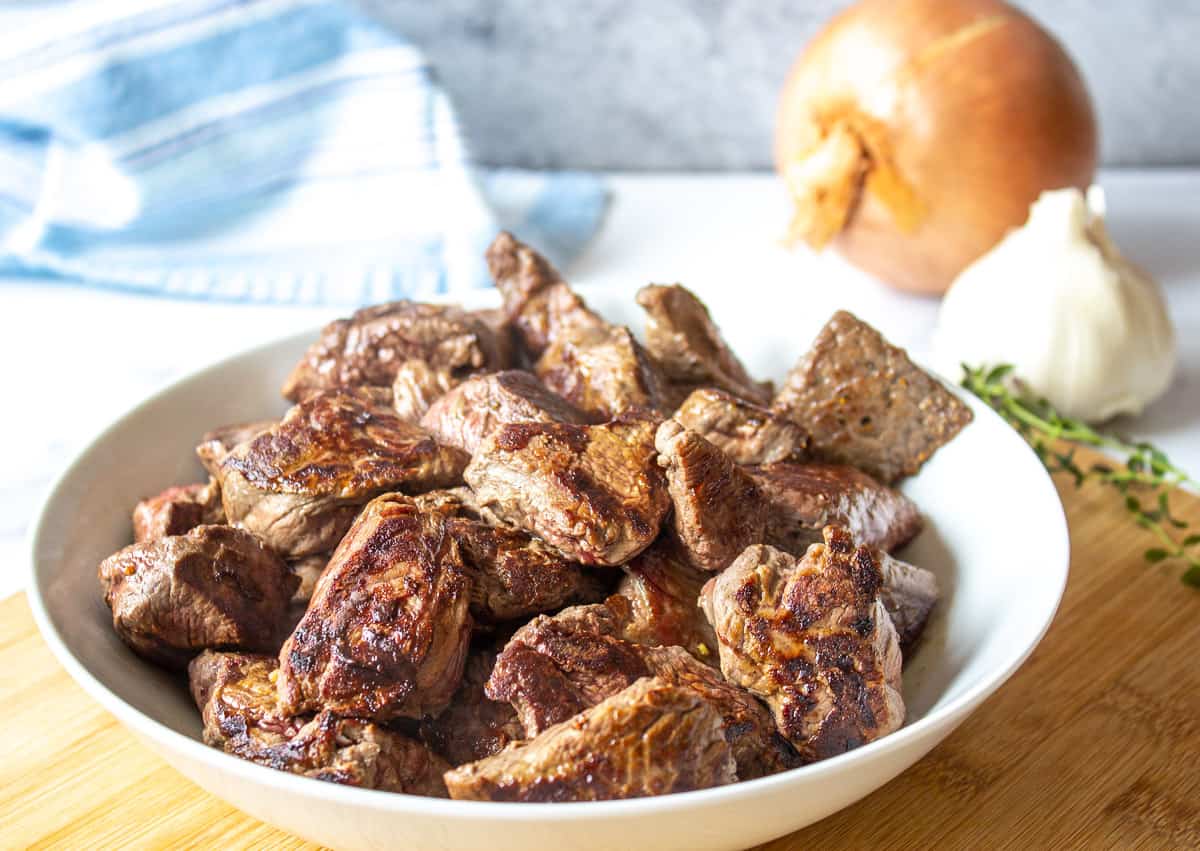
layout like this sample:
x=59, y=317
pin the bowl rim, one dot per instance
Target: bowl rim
x=1056, y=558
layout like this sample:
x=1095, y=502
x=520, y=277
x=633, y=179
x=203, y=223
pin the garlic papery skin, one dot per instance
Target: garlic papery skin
x=1081, y=325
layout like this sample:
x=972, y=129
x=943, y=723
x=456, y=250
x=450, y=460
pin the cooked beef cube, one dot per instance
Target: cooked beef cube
x=811, y=637
x=649, y=739
x=473, y=726
x=682, y=337
x=300, y=483
x=745, y=432
x=806, y=497
x=308, y=570
x=178, y=510
x=664, y=592
x=603, y=372
x=555, y=667
x=512, y=574
x=370, y=346
x=909, y=594
x=719, y=511
x=386, y=632
x=417, y=386
x=757, y=747
x=593, y=492
x=472, y=410
x=237, y=698
x=537, y=302
x=219, y=442
x=215, y=587
x=864, y=403
x=516, y=575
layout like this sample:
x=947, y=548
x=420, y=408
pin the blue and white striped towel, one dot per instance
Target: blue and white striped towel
x=262, y=150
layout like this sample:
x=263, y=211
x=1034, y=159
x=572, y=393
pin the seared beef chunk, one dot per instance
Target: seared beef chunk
x=719, y=511
x=215, y=587
x=219, y=442
x=512, y=574
x=370, y=346
x=300, y=484
x=470, y=412
x=811, y=638
x=537, y=302
x=604, y=372
x=806, y=497
x=237, y=698
x=555, y=667
x=745, y=432
x=473, y=726
x=417, y=386
x=178, y=510
x=593, y=492
x=909, y=594
x=866, y=404
x=663, y=592
x=386, y=631
x=682, y=337
x=649, y=739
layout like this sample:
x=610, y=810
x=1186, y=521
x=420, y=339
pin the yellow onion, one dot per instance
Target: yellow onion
x=912, y=134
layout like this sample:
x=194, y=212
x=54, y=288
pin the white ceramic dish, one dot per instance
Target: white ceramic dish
x=996, y=537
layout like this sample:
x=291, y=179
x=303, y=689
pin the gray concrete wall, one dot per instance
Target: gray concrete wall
x=691, y=84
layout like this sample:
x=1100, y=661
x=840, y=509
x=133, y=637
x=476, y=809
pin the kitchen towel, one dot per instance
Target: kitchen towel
x=260, y=150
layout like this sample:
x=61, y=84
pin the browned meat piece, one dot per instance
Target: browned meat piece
x=369, y=347
x=745, y=432
x=553, y=668
x=811, y=638
x=650, y=739
x=308, y=570
x=386, y=631
x=537, y=301
x=663, y=591
x=300, y=483
x=603, y=372
x=682, y=337
x=719, y=511
x=472, y=726
x=472, y=410
x=417, y=386
x=237, y=698
x=864, y=403
x=513, y=574
x=806, y=497
x=909, y=594
x=178, y=510
x=593, y=492
x=215, y=587
x=219, y=442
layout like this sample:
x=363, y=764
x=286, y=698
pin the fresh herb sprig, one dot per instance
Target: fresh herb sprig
x=1144, y=479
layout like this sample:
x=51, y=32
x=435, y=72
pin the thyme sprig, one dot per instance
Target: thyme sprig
x=1144, y=479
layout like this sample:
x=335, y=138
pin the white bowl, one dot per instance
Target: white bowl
x=996, y=537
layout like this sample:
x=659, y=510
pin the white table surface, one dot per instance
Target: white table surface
x=74, y=359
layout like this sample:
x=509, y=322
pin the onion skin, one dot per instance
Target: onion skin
x=964, y=111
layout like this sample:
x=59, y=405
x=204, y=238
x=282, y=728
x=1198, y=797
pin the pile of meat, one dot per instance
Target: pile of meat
x=520, y=555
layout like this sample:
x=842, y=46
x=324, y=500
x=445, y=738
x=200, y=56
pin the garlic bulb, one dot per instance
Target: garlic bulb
x=1082, y=326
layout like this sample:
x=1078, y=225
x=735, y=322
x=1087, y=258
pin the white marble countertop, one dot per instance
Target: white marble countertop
x=74, y=359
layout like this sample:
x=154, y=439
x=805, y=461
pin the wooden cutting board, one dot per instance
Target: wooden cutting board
x=1094, y=743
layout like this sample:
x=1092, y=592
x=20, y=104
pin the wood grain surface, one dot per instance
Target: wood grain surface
x=1094, y=743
